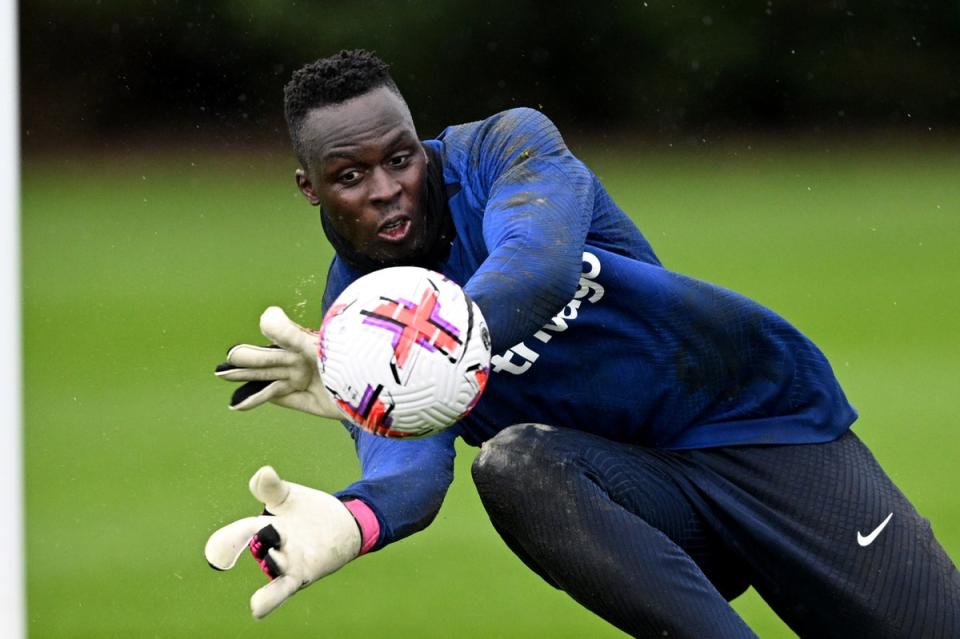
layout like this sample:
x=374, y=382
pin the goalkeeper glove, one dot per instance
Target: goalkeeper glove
x=284, y=373
x=303, y=535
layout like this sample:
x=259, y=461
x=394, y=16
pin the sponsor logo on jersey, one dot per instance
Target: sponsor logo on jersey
x=518, y=359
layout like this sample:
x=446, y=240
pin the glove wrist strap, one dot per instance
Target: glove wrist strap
x=367, y=522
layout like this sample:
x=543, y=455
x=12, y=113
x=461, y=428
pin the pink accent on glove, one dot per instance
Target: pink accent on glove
x=256, y=548
x=367, y=520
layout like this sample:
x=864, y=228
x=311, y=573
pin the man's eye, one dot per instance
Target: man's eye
x=348, y=177
x=399, y=160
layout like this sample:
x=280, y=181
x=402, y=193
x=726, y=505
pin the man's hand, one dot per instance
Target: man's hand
x=285, y=373
x=307, y=535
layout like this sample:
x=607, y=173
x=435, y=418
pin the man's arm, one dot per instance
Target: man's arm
x=538, y=211
x=403, y=481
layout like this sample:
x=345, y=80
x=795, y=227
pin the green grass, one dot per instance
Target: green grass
x=140, y=271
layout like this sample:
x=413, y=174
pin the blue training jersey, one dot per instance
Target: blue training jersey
x=589, y=330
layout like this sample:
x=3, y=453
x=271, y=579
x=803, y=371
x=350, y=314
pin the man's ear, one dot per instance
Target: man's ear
x=306, y=187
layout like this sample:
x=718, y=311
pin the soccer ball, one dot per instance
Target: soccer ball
x=404, y=352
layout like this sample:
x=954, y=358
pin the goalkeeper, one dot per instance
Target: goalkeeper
x=651, y=444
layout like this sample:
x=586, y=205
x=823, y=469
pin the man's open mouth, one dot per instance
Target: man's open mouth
x=396, y=229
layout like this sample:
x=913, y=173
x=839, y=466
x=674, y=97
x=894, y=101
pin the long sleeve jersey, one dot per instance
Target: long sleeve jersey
x=589, y=330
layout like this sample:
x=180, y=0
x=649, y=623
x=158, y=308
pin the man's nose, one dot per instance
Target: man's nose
x=384, y=186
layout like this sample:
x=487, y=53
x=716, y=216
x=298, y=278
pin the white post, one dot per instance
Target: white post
x=12, y=586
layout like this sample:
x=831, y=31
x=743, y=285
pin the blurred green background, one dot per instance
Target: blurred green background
x=160, y=217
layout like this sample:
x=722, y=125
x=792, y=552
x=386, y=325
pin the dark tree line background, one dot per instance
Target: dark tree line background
x=106, y=69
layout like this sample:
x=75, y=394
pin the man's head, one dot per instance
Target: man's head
x=360, y=156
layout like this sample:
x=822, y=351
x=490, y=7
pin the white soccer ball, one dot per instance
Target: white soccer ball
x=404, y=352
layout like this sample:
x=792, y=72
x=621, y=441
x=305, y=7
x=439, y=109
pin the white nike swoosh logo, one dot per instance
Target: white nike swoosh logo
x=866, y=541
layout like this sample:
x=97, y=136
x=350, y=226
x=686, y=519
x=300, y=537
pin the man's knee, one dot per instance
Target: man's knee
x=505, y=461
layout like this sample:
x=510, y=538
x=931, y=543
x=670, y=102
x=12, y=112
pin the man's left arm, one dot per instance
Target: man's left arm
x=538, y=211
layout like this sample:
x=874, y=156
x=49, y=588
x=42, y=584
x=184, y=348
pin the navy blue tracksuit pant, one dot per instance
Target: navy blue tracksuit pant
x=657, y=542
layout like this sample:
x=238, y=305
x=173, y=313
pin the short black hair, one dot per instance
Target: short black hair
x=331, y=80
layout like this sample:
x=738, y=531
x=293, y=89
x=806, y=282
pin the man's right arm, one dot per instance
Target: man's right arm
x=403, y=481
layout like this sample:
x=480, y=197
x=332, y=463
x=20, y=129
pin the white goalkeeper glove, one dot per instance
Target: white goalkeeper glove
x=285, y=373
x=305, y=534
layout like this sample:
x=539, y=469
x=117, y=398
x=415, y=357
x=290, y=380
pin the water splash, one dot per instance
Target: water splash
x=306, y=286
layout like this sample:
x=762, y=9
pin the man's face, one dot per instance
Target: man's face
x=366, y=168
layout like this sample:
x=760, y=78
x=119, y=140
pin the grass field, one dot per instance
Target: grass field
x=139, y=271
